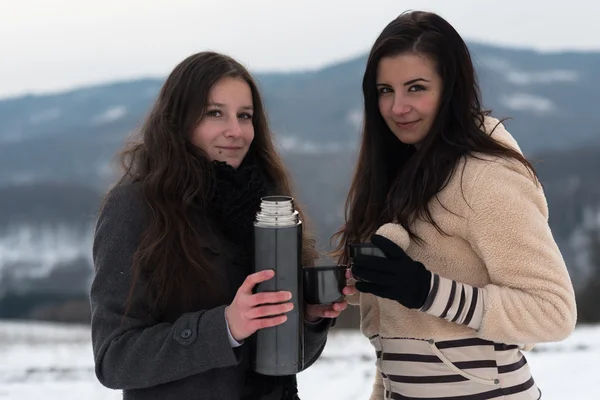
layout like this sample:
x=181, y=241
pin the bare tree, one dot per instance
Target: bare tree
x=588, y=300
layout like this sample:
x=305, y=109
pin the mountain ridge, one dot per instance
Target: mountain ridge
x=57, y=152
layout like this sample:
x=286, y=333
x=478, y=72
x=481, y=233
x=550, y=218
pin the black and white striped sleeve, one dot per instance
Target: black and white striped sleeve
x=455, y=302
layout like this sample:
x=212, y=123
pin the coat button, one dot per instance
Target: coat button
x=186, y=333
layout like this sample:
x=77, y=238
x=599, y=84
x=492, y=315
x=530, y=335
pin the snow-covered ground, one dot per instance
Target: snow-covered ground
x=54, y=362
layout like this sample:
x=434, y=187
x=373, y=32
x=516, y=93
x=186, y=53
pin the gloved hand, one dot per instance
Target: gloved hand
x=397, y=277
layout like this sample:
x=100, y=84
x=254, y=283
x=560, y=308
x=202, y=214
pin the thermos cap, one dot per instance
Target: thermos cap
x=277, y=211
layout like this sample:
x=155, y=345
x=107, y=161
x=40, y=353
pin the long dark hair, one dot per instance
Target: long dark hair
x=392, y=181
x=176, y=182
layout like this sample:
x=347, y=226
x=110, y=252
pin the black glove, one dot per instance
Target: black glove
x=397, y=277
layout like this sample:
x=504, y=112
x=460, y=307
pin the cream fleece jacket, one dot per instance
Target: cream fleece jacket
x=499, y=245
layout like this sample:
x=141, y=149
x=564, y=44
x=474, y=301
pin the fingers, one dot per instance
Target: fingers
x=269, y=311
x=267, y=322
x=364, y=287
x=250, y=312
x=374, y=263
x=349, y=274
x=269, y=298
x=331, y=314
x=254, y=279
x=350, y=280
x=370, y=274
x=326, y=311
x=367, y=287
x=349, y=290
x=341, y=306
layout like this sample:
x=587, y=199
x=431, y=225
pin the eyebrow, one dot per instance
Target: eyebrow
x=405, y=83
x=415, y=80
x=223, y=105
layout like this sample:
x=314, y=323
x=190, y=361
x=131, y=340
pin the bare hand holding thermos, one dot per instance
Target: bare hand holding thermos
x=250, y=312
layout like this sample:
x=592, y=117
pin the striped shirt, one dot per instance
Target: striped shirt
x=464, y=369
x=455, y=302
x=460, y=369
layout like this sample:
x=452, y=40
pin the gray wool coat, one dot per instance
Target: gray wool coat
x=151, y=359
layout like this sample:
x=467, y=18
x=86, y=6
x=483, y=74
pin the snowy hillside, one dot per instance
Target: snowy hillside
x=56, y=362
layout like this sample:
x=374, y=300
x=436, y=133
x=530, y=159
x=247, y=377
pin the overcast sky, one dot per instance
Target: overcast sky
x=50, y=45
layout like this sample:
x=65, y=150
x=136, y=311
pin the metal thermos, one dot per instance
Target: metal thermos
x=279, y=350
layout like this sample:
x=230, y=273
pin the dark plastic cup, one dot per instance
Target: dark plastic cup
x=324, y=284
x=364, y=249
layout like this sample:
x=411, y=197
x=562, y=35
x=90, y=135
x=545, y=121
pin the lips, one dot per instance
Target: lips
x=407, y=124
x=229, y=147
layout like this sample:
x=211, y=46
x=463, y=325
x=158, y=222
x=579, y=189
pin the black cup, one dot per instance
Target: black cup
x=365, y=249
x=324, y=284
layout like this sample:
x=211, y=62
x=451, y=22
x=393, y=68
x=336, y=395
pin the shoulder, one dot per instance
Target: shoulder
x=123, y=204
x=478, y=166
x=487, y=177
x=497, y=130
x=123, y=198
x=123, y=195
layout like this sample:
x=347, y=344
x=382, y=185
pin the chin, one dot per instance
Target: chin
x=235, y=163
x=408, y=139
x=233, y=159
x=412, y=138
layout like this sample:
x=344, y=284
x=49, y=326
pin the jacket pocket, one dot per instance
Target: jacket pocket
x=417, y=367
x=476, y=354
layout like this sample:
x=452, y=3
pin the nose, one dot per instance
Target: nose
x=400, y=106
x=233, y=128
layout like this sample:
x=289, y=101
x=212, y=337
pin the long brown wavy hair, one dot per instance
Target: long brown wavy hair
x=176, y=183
x=392, y=181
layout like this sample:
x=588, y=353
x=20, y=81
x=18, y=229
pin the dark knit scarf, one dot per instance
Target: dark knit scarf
x=235, y=202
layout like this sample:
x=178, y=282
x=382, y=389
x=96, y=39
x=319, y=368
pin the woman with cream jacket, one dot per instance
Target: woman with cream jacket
x=472, y=276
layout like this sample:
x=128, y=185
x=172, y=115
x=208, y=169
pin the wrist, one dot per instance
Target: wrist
x=231, y=333
x=423, y=289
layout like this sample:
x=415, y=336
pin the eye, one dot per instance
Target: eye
x=245, y=116
x=416, y=88
x=384, y=90
x=214, y=113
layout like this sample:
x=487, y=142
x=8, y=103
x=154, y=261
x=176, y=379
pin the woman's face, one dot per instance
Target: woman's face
x=225, y=131
x=409, y=90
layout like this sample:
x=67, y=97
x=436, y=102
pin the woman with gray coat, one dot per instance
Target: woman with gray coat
x=172, y=297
